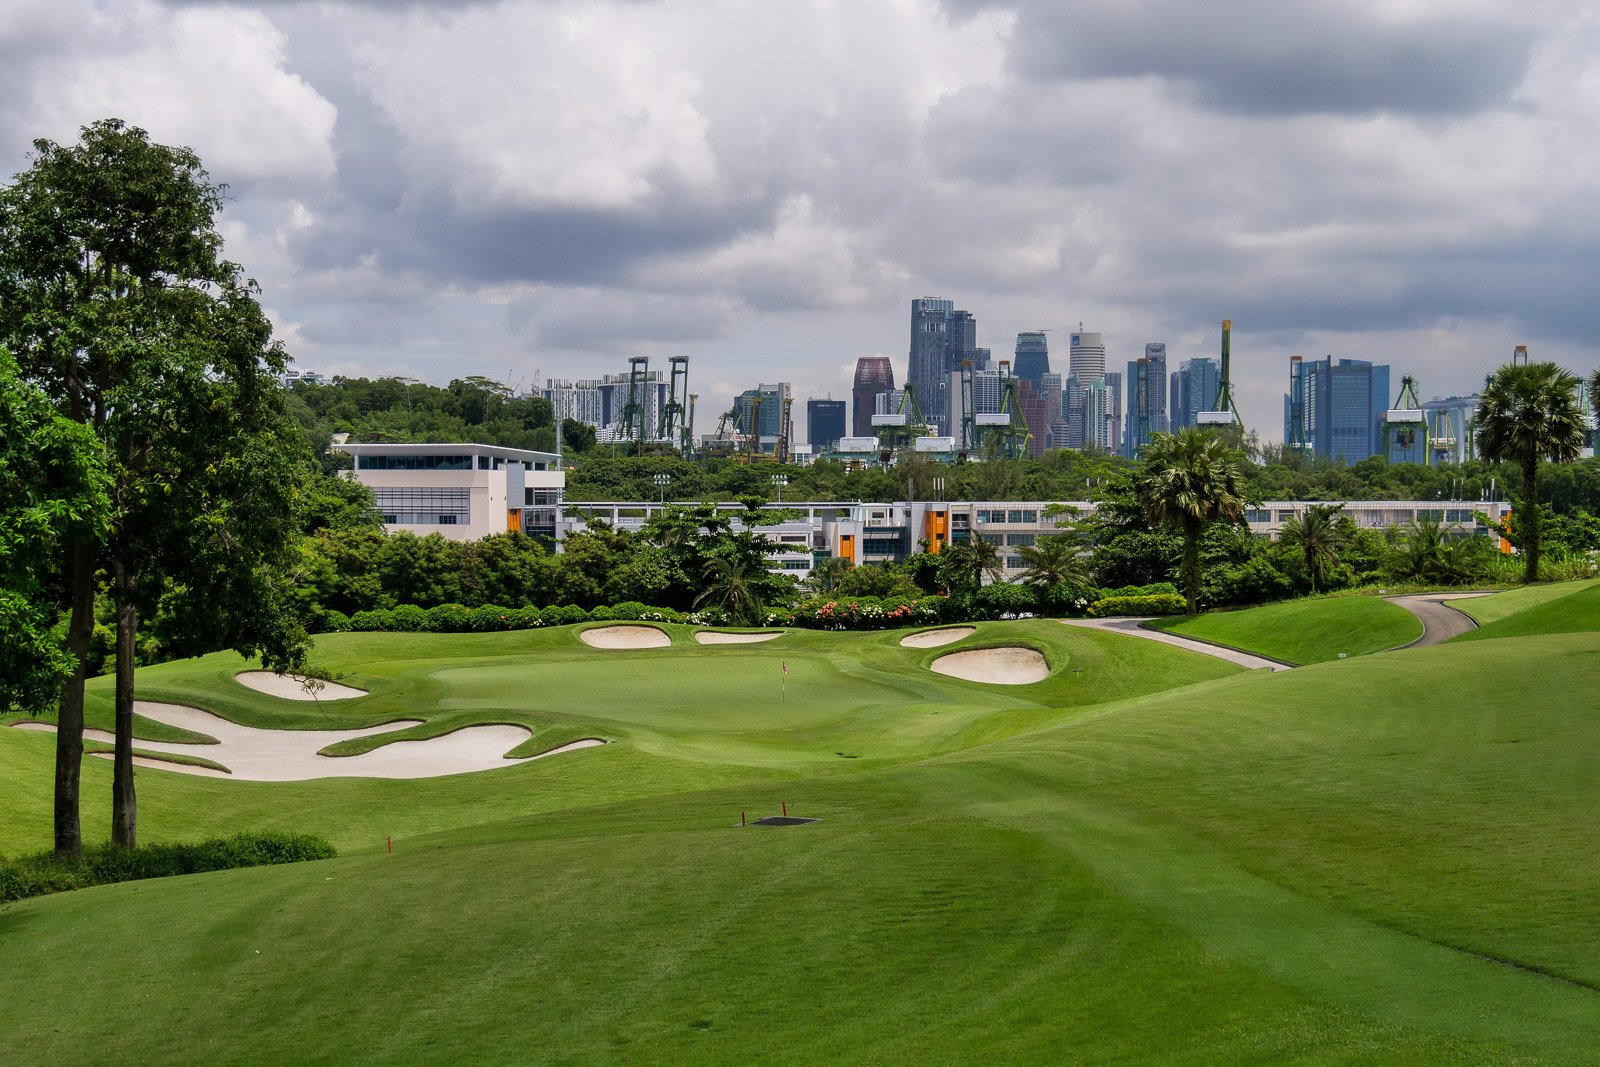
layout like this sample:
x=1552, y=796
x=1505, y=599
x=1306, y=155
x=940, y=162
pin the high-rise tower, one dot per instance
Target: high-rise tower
x=1033, y=357
x=1086, y=360
x=874, y=375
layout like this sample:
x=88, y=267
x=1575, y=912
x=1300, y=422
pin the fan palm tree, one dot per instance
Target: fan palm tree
x=1055, y=570
x=825, y=576
x=972, y=560
x=1191, y=479
x=728, y=587
x=1319, y=537
x=1529, y=413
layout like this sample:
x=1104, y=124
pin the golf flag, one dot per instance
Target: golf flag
x=786, y=668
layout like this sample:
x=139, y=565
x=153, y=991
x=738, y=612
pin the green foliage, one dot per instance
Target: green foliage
x=54, y=485
x=1191, y=480
x=449, y=619
x=1156, y=604
x=1527, y=414
x=36, y=875
x=1004, y=600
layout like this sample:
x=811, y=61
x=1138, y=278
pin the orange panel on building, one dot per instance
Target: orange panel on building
x=936, y=528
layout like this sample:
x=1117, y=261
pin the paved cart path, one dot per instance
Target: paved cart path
x=1132, y=628
x=1440, y=621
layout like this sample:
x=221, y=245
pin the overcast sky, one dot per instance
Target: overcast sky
x=546, y=188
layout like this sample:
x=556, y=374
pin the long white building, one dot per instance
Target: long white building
x=461, y=491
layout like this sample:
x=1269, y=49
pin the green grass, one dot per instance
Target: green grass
x=1161, y=859
x=1306, y=631
x=1560, y=607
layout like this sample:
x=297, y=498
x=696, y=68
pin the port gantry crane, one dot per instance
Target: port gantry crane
x=897, y=429
x=1403, y=424
x=1002, y=433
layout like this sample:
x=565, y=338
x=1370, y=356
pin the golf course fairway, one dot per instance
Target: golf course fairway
x=1149, y=856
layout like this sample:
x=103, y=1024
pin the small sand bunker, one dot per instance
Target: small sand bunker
x=294, y=687
x=935, y=638
x=713, y=637
x=255, y=755
x=997, y=666
x=625, y=637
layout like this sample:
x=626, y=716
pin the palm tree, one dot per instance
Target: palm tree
x=825, y=576
x=728, y=588
x=972, y=560
x=1319, y=536
x=1530, y=413
x=1054, y=569
x=1190, y=480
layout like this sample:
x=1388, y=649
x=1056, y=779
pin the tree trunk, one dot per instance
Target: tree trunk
x=1191, y=569
x=69, y=719
x=124, y=809
x=1528, y=521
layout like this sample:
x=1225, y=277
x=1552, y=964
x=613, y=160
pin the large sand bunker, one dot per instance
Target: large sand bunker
x=997, y=666
x=294, y=687
x=935, y=638
x=625, y=637
x=294, y=755
x=714, y=637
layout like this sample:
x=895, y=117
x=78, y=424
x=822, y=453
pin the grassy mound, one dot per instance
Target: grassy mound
x=1563, y=607
x=1306, y=631
x=1376, y=861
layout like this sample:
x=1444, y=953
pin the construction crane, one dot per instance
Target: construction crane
x=688, y=428
x=1403, y=424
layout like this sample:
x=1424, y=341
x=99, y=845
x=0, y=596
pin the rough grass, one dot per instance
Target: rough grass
x=1384, y=860
x=1305, y=631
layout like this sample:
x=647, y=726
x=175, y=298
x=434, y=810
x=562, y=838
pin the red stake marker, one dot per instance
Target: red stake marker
x=741, y=818
x=391, y=843
x=786, y=809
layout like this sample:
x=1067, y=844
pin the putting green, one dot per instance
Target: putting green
x=1148, y=856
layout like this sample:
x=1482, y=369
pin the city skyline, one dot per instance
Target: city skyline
x=441, y=188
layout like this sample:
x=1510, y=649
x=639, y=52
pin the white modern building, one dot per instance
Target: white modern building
x=461, y=491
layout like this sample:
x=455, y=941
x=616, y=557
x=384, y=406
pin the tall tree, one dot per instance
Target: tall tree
x=116, y=299
x=54, y=484
x=1191, y=479
x=1529, y=413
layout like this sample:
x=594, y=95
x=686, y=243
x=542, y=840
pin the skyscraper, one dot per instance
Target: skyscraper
x=1195, y=385
x=925, y=368
x=771, y=399
x=824, y=423
x=1033, y=357
x=874, y=375
x=1147, y=398
x=942, y=338
x=1086, y=359
x=1336, y=409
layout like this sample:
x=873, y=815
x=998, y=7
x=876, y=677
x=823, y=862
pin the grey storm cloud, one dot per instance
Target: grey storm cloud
x=1280, y=59
x=451, y=186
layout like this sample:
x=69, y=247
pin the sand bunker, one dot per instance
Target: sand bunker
x=935, y=638
x=712, y=637
x=293, y=687
x=997, y=666
x=293, y=755
x=625, y=637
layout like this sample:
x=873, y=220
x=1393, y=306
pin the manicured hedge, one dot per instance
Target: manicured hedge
x=1158, y=604
x=33, y=876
